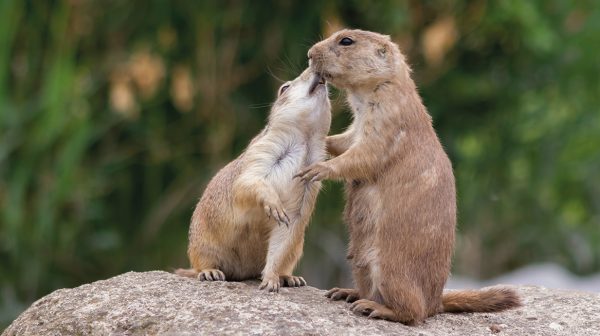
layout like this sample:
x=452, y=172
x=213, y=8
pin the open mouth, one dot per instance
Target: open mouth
x=317, y=80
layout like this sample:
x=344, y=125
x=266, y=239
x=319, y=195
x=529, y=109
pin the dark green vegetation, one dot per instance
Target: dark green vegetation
x=115, y=114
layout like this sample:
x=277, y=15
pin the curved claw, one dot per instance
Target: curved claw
x=350, y=295
x=361, y=307
x=292, y=281
x=303, y=172
x=306, y=174
x=211, y=275
x=270, y=284
x=278, y=214
x=331, y=291
x=287, y=219
x=315, y=172
x=373, y=309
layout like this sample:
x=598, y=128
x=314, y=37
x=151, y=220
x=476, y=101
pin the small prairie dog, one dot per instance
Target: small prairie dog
x=401, y=202
x=250, y=221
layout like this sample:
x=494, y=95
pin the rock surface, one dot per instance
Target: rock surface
x=162, y=303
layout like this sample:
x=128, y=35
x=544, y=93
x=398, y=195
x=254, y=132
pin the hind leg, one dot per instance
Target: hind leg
x=398, y=301
x=206, y=264
x=409, y=311
x=284, y=251
x=372, y=301
x=361, y=280
x=286, y=279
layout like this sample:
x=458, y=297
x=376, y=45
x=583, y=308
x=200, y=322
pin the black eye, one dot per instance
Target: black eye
x=346, y=41
x=283, y=88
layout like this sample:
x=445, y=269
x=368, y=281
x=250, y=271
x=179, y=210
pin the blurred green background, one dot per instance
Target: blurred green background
x=115, y=114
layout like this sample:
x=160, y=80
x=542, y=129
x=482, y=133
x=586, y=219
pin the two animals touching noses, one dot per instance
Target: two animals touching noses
x=401, y=200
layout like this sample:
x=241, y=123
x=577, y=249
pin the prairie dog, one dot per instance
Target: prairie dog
x=250, y=221
x=401, y=202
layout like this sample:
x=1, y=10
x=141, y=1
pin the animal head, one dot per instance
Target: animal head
x=354, y=58
x=303, y=100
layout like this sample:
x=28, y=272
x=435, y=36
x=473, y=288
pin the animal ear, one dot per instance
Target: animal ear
x=382, y=51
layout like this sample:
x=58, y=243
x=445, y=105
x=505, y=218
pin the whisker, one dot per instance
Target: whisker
x=270, y=71
x=257, y=106
x=291, y=65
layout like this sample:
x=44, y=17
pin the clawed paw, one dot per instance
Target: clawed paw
x=270, y=284
x=372, y=309
x=364, y=307
x=277, y=212
x=211, y=275
x=348, y=294
x=315, y=172
x=291, y=281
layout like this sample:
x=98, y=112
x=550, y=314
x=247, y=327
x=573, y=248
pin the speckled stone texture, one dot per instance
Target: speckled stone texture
x=161, y=303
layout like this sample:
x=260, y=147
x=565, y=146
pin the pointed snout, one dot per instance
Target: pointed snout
x=314, y=50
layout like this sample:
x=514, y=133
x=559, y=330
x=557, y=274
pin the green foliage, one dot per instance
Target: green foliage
x=114, y=115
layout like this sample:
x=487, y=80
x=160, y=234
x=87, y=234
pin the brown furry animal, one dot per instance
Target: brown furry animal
x=401, y=203
x=252, y=215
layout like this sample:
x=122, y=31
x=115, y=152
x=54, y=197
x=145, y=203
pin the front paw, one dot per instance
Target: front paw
x=276, y=211
x=291, y=281
x=316, y=172
x=270, y=283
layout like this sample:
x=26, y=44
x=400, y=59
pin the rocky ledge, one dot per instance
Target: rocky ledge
x=157, y=302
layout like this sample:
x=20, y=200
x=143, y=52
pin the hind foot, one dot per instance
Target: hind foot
x=211, y=274
x=270, y=283
x=291, y=281
x=373, y=310
x=348, y=294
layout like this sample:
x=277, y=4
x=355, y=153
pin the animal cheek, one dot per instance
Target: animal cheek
x=333, y=68
x=335, y=51
x=327, y=62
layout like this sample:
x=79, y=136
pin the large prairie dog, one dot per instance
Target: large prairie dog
x=250, y=221
x=401, y=203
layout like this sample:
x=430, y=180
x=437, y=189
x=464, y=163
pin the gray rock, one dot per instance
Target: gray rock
x=162, y=303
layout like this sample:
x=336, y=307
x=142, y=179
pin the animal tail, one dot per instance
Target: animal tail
x=186, y=272
x=483, y=300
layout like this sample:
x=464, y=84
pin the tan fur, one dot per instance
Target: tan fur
x=251, y=218
x=485, y=300
x=401, y=203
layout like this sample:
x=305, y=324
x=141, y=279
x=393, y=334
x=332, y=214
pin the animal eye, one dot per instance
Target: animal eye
x=283, y=88
x=346, y=41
